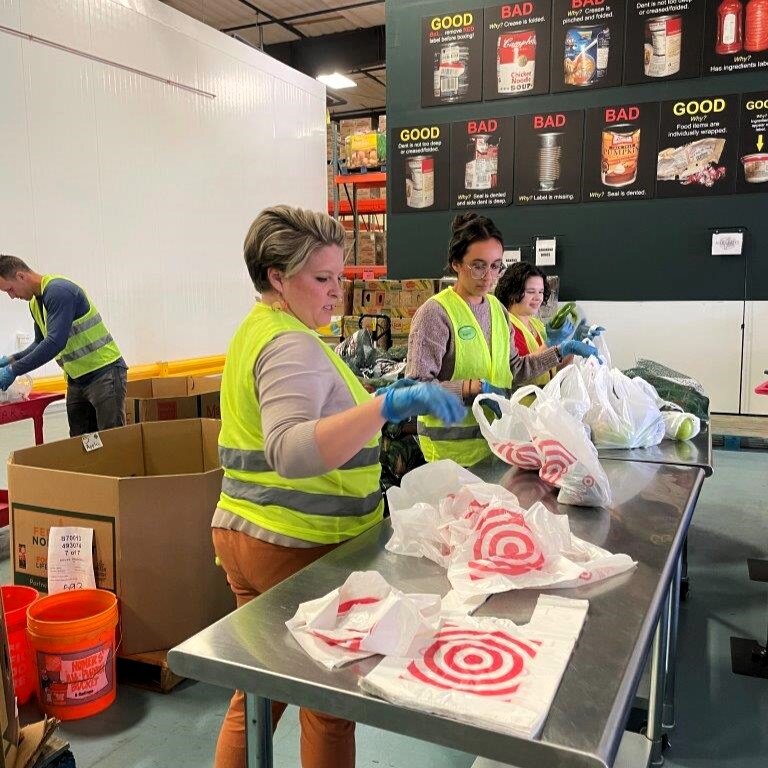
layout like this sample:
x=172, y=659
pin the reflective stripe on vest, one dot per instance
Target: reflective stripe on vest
x=89, y=346
x=325, y=509
x=474, y=360
x=534, y=345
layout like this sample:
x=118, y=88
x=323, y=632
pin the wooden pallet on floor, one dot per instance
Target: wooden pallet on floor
x=739, y=426
x=148, y=670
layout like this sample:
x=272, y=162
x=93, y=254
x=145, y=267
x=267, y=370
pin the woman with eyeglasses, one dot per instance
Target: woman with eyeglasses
x=461, y=338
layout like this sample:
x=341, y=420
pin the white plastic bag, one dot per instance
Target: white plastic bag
x=513, y=548
x=363, y=617
x=568, y=386
x=488, y=671
x=680, y=426
x=509, y=437
x=622, y=414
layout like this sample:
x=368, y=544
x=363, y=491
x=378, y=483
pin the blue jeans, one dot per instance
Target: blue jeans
x=99, y=404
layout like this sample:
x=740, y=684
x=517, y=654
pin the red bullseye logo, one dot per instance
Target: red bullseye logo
x=504, y=545
x=556, y=460
x=473, y=661
x=523, y=455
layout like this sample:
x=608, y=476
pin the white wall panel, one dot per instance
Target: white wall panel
x=10, y=13
x=701, y=338
x=142, y=191
x=755, y=358
x=67, y=22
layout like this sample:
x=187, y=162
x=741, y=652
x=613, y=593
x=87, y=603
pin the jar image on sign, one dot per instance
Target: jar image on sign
x=729, y=27
x=451, y=79
x=619, y=155
x=516, y=61
x=586, y=55
x=663, y=42
x=756, y=26
x=550, y=151
x=482, y=169
x=420, y=182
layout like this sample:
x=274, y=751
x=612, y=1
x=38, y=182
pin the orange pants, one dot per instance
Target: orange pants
x=253, y=567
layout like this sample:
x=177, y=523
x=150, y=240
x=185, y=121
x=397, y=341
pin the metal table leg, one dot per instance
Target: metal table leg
x=258, y=731
x=658, y=675
x=668, y=719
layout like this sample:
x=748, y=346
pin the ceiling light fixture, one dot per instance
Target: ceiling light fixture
x=337, y=81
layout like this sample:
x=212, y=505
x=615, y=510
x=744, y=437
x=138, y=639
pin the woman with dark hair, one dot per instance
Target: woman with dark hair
x=461, y=337
x=522, y=290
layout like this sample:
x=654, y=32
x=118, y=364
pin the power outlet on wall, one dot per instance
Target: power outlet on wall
x=23, y=340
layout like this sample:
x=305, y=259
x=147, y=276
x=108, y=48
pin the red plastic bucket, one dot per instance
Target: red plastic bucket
x=16, y=600
x=73, y=637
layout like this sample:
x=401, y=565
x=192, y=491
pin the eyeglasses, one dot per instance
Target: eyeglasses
x=479, y=271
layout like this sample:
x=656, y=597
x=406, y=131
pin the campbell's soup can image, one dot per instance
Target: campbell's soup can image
x=516, y=61
x=420, y=181
x=452, y=72
x=586, y=54
x=619, y=156
x=663, y=43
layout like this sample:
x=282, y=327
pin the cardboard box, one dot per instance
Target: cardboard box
x=173, y=397
x=149, y=494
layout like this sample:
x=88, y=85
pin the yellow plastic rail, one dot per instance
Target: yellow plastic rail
x=196, y=366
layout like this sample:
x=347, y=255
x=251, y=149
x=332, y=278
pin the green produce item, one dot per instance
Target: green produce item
x=685, y=430
x=562, y=314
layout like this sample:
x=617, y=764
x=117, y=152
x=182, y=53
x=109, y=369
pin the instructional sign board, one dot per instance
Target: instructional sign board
x=698, y=143
x=482, y=162
x=735, y=36
x=420, y=168
x=587, y=44
x=516, y=49
x=548, y=157
x=753, y=145
x=452, y=57
x=620, y=152
x=663, y=40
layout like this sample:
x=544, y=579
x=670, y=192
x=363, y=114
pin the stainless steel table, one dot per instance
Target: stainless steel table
x=688, y=453
x=250, y=649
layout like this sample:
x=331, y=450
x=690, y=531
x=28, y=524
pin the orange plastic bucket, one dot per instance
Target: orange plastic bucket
x=73, y=639
x=16, y=600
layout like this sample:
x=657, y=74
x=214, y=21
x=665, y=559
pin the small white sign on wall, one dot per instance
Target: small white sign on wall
x=727, y=243
x=545, y=251
x=511, y=256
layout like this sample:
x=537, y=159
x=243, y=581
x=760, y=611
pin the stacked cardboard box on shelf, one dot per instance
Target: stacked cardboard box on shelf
x=372, y=250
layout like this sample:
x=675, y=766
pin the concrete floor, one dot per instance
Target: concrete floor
x=721, y=717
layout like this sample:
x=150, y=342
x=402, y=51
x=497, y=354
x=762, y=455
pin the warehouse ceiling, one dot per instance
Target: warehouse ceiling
x=313, y=36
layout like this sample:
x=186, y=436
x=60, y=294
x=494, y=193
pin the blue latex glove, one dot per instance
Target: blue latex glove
x=587, y=332
x=493, y=406
x=486, y=388
x=556, y=336
x=399, y=384
x=579, y=348
x=7, y=377
x=422, y=399
x=4, y=361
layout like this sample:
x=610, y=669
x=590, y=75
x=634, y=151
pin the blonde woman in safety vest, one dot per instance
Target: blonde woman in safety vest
x=461, y=337
x=299, y=442
x=69, y=330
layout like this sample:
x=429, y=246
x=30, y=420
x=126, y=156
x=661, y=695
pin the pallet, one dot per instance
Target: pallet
x=148, y=670
x=346, y=171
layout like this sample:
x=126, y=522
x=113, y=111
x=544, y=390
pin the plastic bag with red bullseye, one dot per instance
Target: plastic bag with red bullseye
x=514, y=548
x=488, y=671
x=509, y=436
x=363, y=617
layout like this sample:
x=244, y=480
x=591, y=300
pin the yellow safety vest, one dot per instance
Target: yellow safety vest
x=463, y=442
x=534, y=345
x=325, y=509
x=89, y=347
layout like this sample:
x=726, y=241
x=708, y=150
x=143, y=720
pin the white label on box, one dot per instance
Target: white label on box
x=545, y=252
x=92, y=442
x=511, y=255
x=70, y=559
